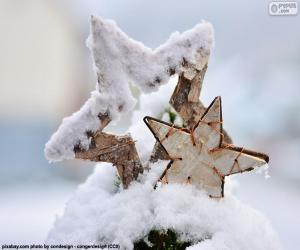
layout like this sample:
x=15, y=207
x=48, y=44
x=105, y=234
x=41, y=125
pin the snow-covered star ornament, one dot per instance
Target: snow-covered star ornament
x=199, y=156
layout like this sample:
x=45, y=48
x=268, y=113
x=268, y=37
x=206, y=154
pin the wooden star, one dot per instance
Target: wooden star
x=119, y=60
x=185, y=100
x=199, y=156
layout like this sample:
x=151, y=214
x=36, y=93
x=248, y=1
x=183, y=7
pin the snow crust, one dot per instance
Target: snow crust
x=100, y=213
x=118, y=61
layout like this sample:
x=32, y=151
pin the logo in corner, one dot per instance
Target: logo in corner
x=283, y=8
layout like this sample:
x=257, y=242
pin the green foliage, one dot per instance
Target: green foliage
x=161, y=240
x=172, y=116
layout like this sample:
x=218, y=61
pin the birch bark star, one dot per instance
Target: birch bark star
x=199, y=156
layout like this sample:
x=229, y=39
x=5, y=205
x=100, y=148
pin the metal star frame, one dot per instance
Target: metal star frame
x=199, y=155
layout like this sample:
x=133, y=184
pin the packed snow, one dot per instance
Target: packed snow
x=118, y=61
x=100, y=213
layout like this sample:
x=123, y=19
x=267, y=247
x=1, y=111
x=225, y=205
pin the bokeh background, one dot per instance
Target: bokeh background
x=46, y=74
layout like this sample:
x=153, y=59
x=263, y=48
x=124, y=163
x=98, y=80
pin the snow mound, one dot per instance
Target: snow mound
x=118, y=61
x=101, y=213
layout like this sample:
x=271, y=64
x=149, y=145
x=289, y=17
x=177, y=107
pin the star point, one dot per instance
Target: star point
x=199, y=156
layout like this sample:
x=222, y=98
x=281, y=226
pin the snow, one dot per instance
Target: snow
x=101, y=213
x=155, y=105
x=118, y=61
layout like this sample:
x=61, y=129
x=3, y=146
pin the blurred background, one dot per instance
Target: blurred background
x=46, y=74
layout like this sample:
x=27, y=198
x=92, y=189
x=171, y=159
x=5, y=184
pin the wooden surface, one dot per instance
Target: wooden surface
x=200, y=156
x=185, y=100
x=119, y=150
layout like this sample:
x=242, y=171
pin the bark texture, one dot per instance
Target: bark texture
x=118, y=150
x=199, y=156
x=185, y=100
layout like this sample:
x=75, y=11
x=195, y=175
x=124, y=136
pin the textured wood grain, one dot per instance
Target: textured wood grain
x=200, y=156
x=119, y=150
x=185, y=100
